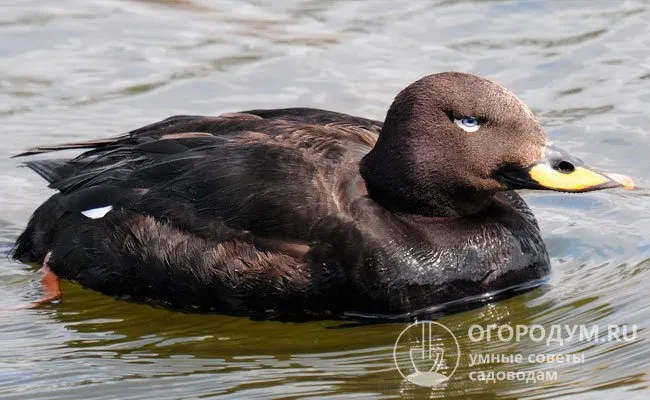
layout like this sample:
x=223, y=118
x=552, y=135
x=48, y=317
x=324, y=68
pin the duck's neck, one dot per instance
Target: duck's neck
x=433, y=204
x=401, y=185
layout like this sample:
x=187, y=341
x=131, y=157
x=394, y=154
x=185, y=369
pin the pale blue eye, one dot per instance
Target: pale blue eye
x=468, y=124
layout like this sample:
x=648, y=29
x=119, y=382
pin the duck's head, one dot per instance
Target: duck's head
x=450, y=141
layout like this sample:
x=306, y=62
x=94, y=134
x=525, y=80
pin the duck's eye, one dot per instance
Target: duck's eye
x=468, y=124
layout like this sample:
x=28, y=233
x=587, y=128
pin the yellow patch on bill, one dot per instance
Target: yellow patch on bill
x=579, y=179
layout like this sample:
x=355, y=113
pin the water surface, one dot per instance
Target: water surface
x=74, y=70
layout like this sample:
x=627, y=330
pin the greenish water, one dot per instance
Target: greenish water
x=74, y=70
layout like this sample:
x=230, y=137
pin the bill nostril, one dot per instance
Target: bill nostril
x=565, y=167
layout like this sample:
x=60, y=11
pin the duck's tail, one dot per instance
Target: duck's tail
x=52, y=170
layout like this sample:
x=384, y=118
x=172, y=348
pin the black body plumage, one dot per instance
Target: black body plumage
x=267, y=209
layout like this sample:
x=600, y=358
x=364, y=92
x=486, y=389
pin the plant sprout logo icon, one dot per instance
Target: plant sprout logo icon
x=426, y=353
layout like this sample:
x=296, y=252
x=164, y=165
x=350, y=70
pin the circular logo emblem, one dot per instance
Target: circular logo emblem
x=426, y=353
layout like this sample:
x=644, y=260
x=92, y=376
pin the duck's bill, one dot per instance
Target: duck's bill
x=558, y=170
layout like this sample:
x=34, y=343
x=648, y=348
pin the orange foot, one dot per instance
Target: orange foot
x=50, y=284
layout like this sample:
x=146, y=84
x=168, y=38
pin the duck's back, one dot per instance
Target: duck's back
x=302, y=162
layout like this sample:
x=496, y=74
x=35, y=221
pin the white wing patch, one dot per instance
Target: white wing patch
x=96, y=213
